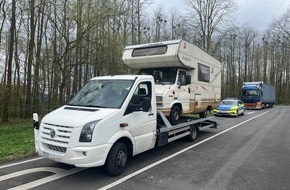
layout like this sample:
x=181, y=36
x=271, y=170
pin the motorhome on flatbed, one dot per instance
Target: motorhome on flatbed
x=187, y=79
x=109, y=120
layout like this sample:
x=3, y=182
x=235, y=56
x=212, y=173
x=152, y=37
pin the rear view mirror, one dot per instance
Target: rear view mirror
x=188, y=79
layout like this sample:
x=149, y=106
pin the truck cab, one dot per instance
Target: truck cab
x=113, y=115
x=258, y=95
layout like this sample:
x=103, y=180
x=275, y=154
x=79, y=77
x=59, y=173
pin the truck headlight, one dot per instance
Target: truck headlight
x=87, y=131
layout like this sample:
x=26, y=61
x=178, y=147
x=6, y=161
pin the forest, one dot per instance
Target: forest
x=50, y=48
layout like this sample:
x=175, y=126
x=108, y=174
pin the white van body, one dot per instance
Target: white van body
x=174, y=61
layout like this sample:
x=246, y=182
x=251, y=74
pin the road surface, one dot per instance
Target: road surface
x=248, y=152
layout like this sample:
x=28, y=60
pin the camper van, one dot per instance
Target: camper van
x=187, y=79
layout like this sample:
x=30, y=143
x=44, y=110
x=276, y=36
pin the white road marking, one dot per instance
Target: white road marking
x=59, y=173
x=22, y=162
x=176, y=154
x=248, y=113
x=28, y=171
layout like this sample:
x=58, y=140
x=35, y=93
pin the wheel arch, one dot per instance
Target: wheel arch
x=209, y=108
x=177, y=104
x=125, y=137
x=128, y=143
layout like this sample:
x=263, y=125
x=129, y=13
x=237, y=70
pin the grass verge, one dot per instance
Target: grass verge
x=16, y=140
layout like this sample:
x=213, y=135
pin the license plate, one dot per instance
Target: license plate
x=51, y=156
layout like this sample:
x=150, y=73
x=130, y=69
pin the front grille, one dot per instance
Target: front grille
x=55, y=148
x=55, y=137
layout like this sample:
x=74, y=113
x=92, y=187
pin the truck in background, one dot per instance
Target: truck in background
x=110, y=119
x=258, y=95
x=187, y=79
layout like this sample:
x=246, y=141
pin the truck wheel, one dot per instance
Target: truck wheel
x=193, y=133
x=174, y=115
x=203, y=114
x=117, y=159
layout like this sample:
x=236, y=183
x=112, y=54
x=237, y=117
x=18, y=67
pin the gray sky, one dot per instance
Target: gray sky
x=256, y=13
x=260, y=13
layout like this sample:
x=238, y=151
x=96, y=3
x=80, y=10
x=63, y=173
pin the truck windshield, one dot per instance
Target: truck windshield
x=102, y=93
x=161, y=75
x=247, y=93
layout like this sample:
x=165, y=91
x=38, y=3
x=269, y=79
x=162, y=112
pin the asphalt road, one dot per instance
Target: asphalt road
x=248, y=152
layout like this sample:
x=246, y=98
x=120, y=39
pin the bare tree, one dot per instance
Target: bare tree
x=207, y=17
x=59, y=45
x=31, y=45
x=8, y=93
x=2, y=9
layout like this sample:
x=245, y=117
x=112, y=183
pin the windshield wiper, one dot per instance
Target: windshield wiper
x=96, y=106
x=159, y=82
x=91, y=106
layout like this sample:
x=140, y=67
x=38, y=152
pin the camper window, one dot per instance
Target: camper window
x=157, y=50
x=203, y=73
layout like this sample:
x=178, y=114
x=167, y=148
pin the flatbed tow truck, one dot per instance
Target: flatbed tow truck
x=108, y=120
x=187, y=126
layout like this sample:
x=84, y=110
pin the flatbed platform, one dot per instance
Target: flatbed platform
x=167, y=132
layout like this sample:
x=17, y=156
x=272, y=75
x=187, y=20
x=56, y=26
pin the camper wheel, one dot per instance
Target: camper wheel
x=175, y=114
x=203, y=114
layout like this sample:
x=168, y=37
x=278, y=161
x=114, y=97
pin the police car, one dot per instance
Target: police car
x=230, y=107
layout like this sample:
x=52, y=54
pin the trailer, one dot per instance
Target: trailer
x=110, y=119
x=258, y=95
x=187, y=79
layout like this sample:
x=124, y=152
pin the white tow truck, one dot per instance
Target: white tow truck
x=108, y=120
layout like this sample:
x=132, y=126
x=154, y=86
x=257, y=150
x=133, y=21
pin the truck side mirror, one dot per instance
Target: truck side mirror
x=188, y=79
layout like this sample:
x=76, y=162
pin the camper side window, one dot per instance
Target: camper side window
x=147, y=51
x=203, y=73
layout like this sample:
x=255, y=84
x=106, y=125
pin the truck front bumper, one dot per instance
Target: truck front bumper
x=79, y=156
x=255, y=105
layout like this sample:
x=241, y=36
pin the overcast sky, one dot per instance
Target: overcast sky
x=256, y=13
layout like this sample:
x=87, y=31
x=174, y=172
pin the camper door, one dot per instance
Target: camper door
x=183, y=91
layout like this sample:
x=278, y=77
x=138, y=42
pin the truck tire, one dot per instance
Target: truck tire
x=203, y=114
x=174, y=116
x=117, y=159
x=193, y=133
